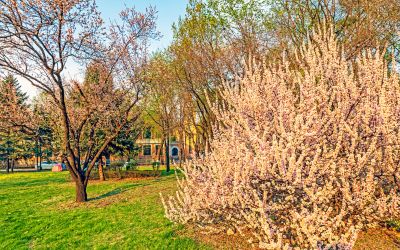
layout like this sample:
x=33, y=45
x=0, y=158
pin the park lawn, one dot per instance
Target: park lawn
x=37, y=212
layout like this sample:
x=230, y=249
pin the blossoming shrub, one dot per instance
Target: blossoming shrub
x=303, y=158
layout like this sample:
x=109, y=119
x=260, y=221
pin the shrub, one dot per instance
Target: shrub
x=156, y=165
x=113, y=174
x=305, y=158
x=117, y=164
x=132, y=164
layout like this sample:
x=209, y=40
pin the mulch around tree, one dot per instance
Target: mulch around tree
x=373, y=239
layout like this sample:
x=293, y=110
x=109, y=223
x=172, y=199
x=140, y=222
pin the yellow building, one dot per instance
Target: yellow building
x=151, y=148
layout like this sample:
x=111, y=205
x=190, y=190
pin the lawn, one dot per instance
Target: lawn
x=38, y=212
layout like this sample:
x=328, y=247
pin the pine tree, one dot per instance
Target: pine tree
x=13, y=143
x=11, y=85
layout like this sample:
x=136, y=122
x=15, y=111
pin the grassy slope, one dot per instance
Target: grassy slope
x=37, y=212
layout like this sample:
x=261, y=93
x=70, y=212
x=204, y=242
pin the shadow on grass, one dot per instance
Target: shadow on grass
x=171, y=172
x=118, y=191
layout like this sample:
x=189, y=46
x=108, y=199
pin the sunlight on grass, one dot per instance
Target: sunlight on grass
x=38, y=212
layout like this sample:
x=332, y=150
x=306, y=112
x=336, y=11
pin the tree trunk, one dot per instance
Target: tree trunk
x=81, y=195
x=160, y=150
x=37, y=163
x=8, y=165
x=117, y=170
x=12, y=166
x=37, y=155
x=181, y=156
x=101, y=172
x=168, y=167
x=40, y=155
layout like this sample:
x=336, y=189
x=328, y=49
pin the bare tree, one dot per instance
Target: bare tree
x=358, y=24
x=37, y=40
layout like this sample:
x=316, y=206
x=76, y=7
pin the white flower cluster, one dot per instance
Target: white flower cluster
x=304, y=157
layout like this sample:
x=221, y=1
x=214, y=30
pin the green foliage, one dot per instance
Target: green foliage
x=13, y=84
x=117, y=164
x=124, y=144
x=120, y=175
x=156, y=165
x=395, y=224
x=218, y=18
x=132, y=164
x=14, y=144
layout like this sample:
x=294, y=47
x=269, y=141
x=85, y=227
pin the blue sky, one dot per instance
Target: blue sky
x=169, y=12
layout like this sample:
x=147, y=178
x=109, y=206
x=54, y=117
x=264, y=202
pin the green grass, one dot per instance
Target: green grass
x=37, y=212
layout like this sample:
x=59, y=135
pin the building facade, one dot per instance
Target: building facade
x=151, y=148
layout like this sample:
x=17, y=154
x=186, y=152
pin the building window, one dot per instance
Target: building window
x=175, y=152
x=147, y=134
x=147, y=150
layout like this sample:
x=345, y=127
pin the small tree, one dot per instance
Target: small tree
x=163, y=102
x=15, y=121
x=38, y=39
x=304, y=158
x=14, y=113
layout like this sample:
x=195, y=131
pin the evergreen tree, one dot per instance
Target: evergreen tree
x=12, y=87
x=14, y=144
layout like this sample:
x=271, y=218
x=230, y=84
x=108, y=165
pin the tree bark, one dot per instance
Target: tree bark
x=12, y=166
x=81, y=195
x=168, y=167
x=40, y=156
x=37, y=154
x=8, y=165
x=101, y=172
x=117, y=170
x=160, y=150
